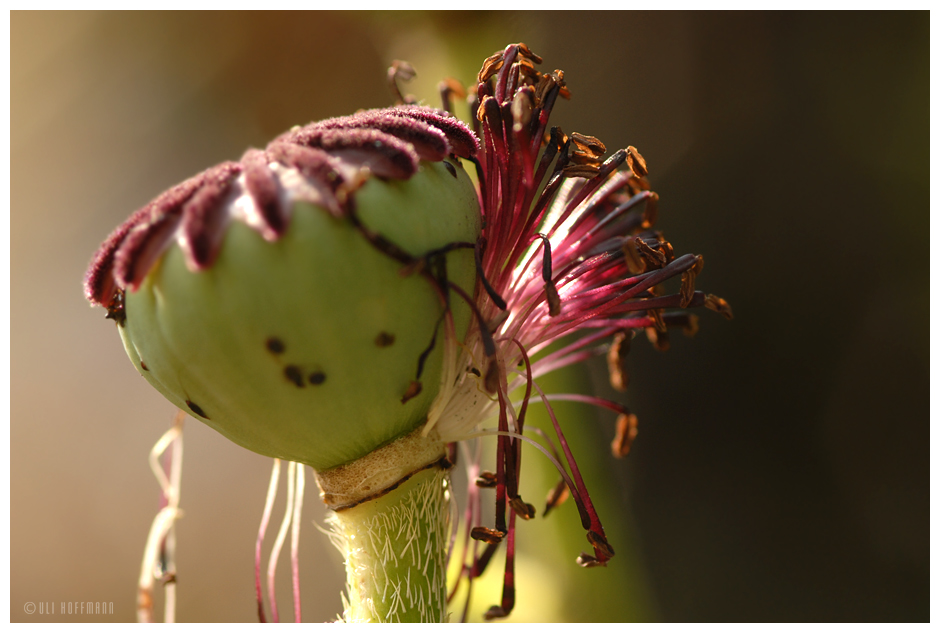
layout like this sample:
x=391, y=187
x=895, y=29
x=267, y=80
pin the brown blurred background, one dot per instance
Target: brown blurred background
x=782, y=469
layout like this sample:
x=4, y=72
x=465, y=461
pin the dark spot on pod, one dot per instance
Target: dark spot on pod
x=195, y=408
x=450, y=168
x=384, y=339
x=143, y=366
x=293, y=374
x=317, y=378
x=274, y=345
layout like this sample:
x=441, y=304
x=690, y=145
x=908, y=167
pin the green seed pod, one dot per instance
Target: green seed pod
x=291, y=301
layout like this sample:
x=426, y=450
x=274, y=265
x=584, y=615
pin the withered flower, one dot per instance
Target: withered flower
x=349, y=298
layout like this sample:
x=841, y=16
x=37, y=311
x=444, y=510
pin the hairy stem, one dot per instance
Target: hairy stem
x=390, y=518
x=395, y=549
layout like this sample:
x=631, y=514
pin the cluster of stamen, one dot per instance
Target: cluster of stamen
x=568, y=245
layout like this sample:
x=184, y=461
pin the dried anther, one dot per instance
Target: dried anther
x=626, y=433
x=495, y=612
x=486, y=479
x=600, y=543
x=556, y=496
x=586, y=560
x=616, y=360
x=636, y=162
x=523, y=510
x=719, y=305
x=487, y=535
x=404, y=72
x=653, y=257
x=688, y=281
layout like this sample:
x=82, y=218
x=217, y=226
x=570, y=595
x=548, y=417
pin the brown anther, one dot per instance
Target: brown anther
x=486, y=479
x=636, y=184
x=580, y=171
x=494, y=612
x=525, y=53
x=616, y=360
x=655, y=259
x=636, y=265
x=491, y=381
x=559, y=78
x=636, y=162
x=626, y=433
x=554, y=301
x=556, y=496
x=400, y=71
x=488, y=103
x=719, y=305
x=491, y=66
x=523, y=510
x=658, y=322
x=487, y=535
x=650, y=211
x=666, y=248
x=691, y=328
x=414, y=388
x=600, y=543
x=587, y=143
x=659, y=340
x=528, y=75
x=687, y=291
x=449, y=88
x=586, y=560
x=545, y=83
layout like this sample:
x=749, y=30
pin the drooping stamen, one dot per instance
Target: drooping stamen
x=279, y=540
x=295, y=541
x=594, y=523
x=162, y=526
x=265, y=517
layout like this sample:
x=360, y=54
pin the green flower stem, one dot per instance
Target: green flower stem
x=395, y=541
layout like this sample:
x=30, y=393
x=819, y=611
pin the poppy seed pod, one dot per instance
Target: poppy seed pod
x=294, y=300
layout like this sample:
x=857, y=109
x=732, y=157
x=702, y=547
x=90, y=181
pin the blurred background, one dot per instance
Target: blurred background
x=781, y=472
